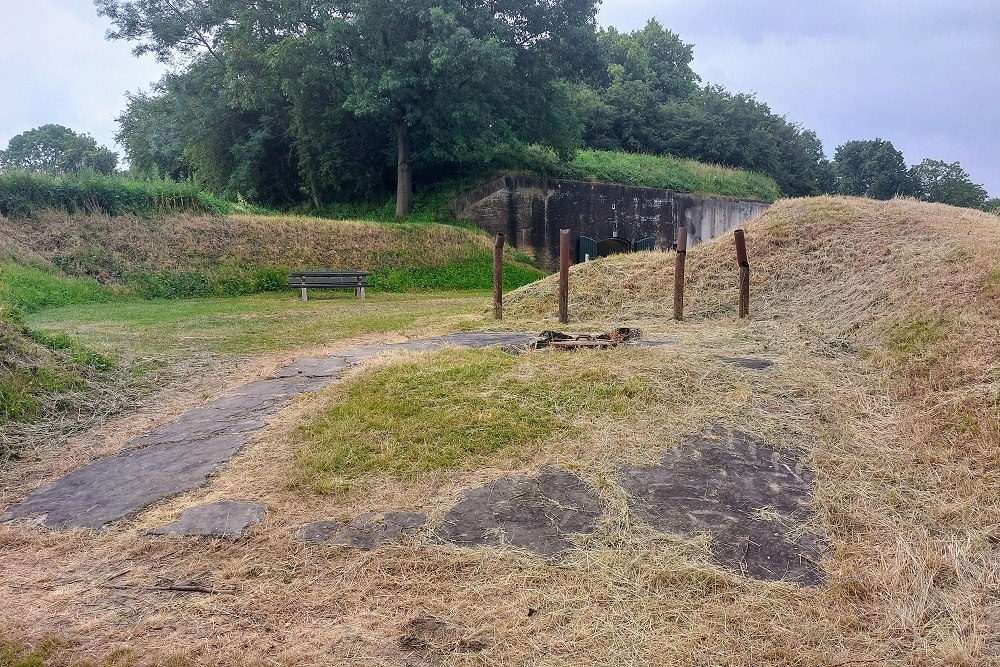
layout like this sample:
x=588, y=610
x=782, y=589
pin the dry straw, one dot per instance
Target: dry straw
x=883, y=321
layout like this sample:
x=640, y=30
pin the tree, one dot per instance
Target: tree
x=58, y=150
x=453, y=82
x=872, y=168
x=945, y=183
x=992, y=205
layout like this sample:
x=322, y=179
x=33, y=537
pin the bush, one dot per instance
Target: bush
x=21, y=194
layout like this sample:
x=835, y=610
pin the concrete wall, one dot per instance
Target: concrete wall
x=531, y=210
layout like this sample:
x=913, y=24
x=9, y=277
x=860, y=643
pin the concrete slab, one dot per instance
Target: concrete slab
x=224, y=519
x=747, y=362
x=753, y=500
x=364, y=532
x=533, y=513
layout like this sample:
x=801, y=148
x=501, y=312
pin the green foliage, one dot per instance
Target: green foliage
x=944, y=183
x=268, y=89
x=669, y=173
x=29, y=289
x=22, y=194
x=473, y=273
x=992, y=205
x=19, y=654
x=872, y=168
x=56, y=150
x=454, y=409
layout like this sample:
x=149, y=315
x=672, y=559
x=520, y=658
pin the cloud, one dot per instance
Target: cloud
x=57, y=67
x=920, y=73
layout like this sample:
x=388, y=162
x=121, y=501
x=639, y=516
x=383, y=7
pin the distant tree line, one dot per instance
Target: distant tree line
x=326, y=101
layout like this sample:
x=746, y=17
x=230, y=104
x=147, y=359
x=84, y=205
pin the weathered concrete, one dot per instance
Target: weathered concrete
x=531, y=210
x=532, y=513
x=224, y=519
x=364, y=532
x=751, y=499
x=181, y=455
x=753, y=364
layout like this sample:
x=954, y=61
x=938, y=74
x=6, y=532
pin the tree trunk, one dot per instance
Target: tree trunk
x=404, y=175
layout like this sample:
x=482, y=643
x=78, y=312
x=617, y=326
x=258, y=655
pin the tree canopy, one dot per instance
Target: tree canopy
x=945, y=183
x=872, y=168
x=57, y=150
x=336, y=100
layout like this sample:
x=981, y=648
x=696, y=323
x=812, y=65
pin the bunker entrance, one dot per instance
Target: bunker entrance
x=588, y=248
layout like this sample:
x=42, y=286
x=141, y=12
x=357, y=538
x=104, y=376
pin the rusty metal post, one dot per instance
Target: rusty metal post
x=498, y=277
x=741, y=258
x=564, y=276
x=682, y=234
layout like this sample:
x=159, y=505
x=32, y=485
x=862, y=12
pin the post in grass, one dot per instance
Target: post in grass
x=564, y=276
x=498, y=277
x=744, y=263
x=682, y=234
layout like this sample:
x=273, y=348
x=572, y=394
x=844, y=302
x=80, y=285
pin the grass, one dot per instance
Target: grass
x=669, y=173
x=199, y=255
x=882, y=320
x=23, y=194
x=254, y=324
x=30, y=289
x=455, y=408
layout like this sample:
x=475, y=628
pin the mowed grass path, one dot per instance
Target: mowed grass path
x=256, y=324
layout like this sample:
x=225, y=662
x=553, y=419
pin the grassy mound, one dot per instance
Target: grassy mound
x=201, y=255
x=669, y=173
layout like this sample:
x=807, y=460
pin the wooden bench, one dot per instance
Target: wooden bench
x=356, y=280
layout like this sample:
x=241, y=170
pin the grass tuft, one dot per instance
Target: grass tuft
x=451, y=409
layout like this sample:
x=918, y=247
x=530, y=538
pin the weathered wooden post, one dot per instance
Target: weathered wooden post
x=682, y=234
x=741, y=259
x=498, y=277
x=564, y=276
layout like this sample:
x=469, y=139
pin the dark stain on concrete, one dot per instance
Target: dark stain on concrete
x=224, y=519
x=753, y=501
x=533, y=513
x=364, y=532
x=747, y=362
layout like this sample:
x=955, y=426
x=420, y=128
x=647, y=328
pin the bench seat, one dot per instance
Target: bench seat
x=356, y=280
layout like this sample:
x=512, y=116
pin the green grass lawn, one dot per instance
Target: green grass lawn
x=259, y=323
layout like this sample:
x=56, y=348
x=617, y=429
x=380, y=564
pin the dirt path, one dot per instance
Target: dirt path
x=181, y=455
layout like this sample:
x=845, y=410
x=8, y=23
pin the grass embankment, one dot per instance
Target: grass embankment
x=198, y=255
x=668, y=173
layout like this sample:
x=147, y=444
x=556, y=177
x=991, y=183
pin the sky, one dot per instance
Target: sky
x=923, y=74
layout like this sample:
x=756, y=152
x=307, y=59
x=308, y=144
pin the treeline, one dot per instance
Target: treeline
x=345, y=100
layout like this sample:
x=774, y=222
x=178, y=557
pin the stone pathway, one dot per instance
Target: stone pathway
x=752, y=500
x=182, y=455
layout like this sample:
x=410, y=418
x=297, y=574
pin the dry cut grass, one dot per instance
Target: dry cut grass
x=882, y=319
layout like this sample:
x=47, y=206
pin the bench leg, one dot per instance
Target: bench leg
x=305, y=297
x=359, y=292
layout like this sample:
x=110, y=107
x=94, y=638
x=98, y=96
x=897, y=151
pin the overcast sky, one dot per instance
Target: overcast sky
x=924, y=74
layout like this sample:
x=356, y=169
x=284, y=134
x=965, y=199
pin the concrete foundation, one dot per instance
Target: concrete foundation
x=531, y=210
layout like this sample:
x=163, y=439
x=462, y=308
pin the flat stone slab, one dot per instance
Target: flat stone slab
x=183, y=454
x=225, y=519
x=364, y=532
x=533, y=513
x=748, y=362
x=753, y=501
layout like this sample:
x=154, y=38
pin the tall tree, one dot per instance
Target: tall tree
x=452, y=81
x=54, y=149
x=944, y=183
x=872, y=168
